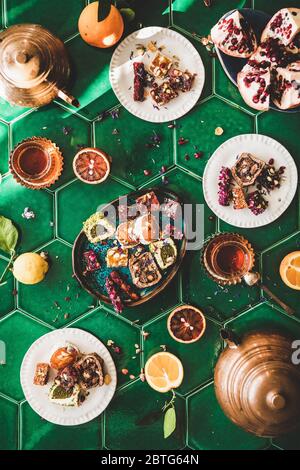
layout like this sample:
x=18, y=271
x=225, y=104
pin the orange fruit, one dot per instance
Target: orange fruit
x=164, y=371
x=91, y=165
x=290, y=270
x=103, y=33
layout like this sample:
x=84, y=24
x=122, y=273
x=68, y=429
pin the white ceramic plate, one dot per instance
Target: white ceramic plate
x=37, y=396
x=121, y=72
x=264, y=148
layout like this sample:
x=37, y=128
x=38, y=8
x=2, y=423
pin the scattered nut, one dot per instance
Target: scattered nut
x=219, y=131
x=107, y=379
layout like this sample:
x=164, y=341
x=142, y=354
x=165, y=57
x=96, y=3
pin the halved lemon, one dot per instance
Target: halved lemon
x=164, y=371
x=290, y=270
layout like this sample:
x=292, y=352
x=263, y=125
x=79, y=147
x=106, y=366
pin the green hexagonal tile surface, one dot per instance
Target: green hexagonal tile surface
x=143, y=155
x=12, y=330
x=9, y=416
x=60, y=297
x=38, y=434
x=134, y=404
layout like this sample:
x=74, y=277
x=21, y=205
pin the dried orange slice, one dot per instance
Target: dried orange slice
x=164, y=371
x=91, y=165
x=290, y=270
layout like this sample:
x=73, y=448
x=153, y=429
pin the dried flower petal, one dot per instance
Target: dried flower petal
x=224, y=193
x=28, y=214
x=182, y=141
x=124, y=371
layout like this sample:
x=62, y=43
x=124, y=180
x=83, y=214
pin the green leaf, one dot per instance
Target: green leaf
x=104, y=7
x=169, y=422
x=8, y=235
x=128, y=14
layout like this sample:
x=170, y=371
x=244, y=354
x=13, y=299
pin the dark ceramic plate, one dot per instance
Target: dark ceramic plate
x=233, y=65
x=94, y=283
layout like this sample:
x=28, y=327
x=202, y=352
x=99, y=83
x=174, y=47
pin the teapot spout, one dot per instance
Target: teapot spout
x=231, y=339
x=68, y=98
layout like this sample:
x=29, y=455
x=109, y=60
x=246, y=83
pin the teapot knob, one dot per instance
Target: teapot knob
x=276, y=400
x=22, y=58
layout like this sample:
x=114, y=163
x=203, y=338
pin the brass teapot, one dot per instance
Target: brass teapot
x=256, y=383
x=34, y=66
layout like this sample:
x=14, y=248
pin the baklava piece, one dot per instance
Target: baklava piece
x=116, y=257
x=144, y=271
x=165, y=252
x=90, y=371
x=171, y=209
x=147, y=202
x=163, y=94
x=41, y=374
x=239, y=201
x=247, y=169
x=182, y=81
x=160, y=65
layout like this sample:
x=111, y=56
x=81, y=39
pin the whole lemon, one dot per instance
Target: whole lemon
x=30, y=268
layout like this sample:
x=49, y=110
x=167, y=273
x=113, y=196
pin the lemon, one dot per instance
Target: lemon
x=30, y=268
x=163, y=372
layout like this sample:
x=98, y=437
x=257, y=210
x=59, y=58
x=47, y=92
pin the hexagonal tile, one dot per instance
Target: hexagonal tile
x=271, y=277
x=4, y=147
x=265, y=317
x=33, y=232
x=194, y=16
x=275, y=5
x=38, y=434
x=9, y=416
x=51, y=15
x=263, y=237
x=154, y=13
x=208, y=348
x=199, y=128
x=67, y=130
x=106, y=326
x=91, y=82
x=130, y=405
x=216, y=301
x=282, y=127
x=224, y=87
x=77, y=201
x=210, y=429
x=12, y=330
x=6, y=291
x=60, y=297
x=130, y=154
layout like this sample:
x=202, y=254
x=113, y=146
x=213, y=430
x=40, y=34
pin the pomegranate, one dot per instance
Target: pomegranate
x=284, y=25
x=255, y=86
x=286, y=86
x=234, y=36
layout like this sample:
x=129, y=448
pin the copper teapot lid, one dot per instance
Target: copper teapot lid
x=33, y=65
x=257, y=385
